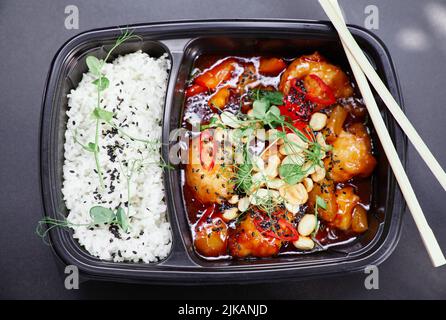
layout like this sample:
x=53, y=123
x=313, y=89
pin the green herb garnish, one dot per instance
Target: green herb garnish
x=101, y=215
x=101, y=82
x=122, y=219
x=323, y=205
x=244, y=174
x=47, y=223
x=273, y=97
x=292, y=173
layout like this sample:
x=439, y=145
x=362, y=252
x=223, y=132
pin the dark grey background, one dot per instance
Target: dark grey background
x=32, y=31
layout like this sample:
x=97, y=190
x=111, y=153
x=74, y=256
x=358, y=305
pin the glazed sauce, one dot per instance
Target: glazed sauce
x=197, y=110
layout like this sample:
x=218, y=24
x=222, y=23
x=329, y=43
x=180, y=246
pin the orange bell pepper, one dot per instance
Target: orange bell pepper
x=271, y=66
x=220, y=98
x=213, y=77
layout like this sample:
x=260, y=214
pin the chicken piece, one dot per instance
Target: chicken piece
x=315, y=64
x=207, y=174
x=247, y=241
x=340, y=205
x=351, y=155
x=346, y=200
x=335, y=123
x=359, y=219
x=211, y=236
x=326, y=190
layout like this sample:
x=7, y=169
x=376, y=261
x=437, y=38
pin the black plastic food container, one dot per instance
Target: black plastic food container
x=183, y=42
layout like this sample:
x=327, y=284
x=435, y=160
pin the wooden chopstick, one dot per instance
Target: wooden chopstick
x=384, y=93
x=333, y=10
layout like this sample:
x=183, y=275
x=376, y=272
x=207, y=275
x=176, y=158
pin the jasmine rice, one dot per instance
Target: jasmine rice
x=136, y=91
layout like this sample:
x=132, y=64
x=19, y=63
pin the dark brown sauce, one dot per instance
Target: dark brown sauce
x=194, y=207
x=197, y=106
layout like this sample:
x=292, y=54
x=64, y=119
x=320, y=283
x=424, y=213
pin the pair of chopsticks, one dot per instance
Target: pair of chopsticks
x=362, y=70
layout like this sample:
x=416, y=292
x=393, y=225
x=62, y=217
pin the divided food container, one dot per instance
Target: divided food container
x=184, y=42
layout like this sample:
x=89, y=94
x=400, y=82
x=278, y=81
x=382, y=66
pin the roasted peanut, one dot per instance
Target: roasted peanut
x=262, y=196
x=308, y=183
x=243, y=204
x=293, y=145
x=318, y=121
x=307, y=224
x=273, y=135
x=293, y=159
x=234, y=199
x=294, y=194
x=230, y=120
x=230, y=214
x=319, y=174
x=272, y=169
x=258, y=164
x=275, y=183
x=304, y=243
x=308, y=167
x=293, y=208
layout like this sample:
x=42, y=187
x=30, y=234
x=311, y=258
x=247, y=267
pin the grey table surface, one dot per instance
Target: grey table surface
x=32, y=31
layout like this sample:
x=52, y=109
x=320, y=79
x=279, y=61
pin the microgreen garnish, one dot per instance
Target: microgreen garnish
x=122, y=219
x=244, y=177
x=47, y=223
x=268, y=114
x=319, y=203
x=213, y=121
x=134, y=165
x=101, y=114
x=99, y=216
x=244, y=181
x=273, y=97
x=262, y=110
x=94, y=65
x=101, y=82
x=292, y=173
x=259, y=108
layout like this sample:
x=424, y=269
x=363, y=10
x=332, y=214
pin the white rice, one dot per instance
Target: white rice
x=136, y=94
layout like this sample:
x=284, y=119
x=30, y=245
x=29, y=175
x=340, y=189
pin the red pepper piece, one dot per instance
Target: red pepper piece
x=208, y=213
x=321, y=93
x=295, y=106
x=286, y=232
x=292, y=234
x=207, y=135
